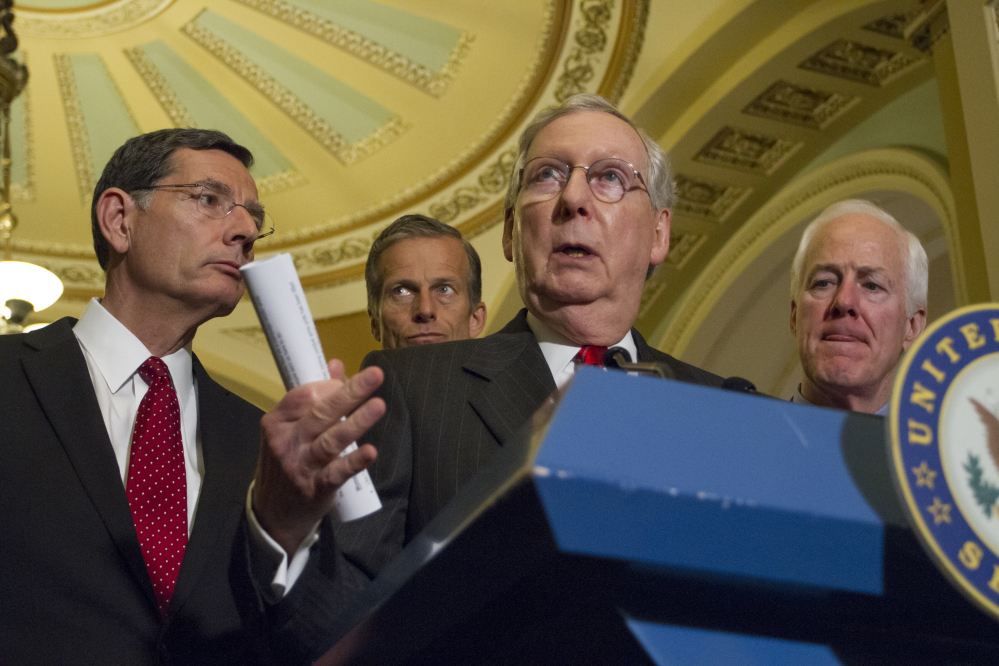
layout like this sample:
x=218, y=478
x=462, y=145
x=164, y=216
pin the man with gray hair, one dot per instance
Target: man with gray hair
x=587, y=214
x=858, y=301
x=424, y=284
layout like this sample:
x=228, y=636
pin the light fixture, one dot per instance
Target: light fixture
x=24, y=287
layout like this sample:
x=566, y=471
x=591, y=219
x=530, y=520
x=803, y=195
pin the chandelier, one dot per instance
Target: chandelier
x=24, y=287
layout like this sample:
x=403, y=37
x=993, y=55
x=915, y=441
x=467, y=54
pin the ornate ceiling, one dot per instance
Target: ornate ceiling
x=359, y=111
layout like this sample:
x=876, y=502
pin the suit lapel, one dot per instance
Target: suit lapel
x=517, y=378
x=219, y=499
x=59, y=377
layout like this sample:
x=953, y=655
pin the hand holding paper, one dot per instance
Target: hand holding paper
x=309, y=462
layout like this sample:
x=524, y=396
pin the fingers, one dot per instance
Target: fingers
x=343, y=468
x=328, y=445
x=326, y=403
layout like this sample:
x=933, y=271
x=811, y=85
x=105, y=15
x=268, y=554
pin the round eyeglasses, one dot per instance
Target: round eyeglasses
x=214, y=199
x=543, y=178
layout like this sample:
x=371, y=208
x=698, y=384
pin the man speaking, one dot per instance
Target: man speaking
x=586, y=216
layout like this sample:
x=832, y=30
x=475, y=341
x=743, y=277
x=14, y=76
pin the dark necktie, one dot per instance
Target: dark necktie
x=157, y=481
x=592, y=355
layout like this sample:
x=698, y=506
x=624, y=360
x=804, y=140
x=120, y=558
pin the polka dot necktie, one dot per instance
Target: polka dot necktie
x=591, y=355
x=157, y=482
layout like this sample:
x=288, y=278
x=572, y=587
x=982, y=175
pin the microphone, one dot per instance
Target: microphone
x=620, y=359
x=740, y=385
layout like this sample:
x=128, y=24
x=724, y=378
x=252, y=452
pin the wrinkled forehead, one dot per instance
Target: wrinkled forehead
x=584, y=137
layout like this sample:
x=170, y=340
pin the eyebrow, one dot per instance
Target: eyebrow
x=252, y=206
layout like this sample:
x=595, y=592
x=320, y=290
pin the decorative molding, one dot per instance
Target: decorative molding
x=712, y=201
x=876, y=169
x=854, y=61
x=332, y=254
x=160, y=88
x=555, y=21
x=492, y=180
x=78, y=138
x=790, y=103
x=590, y=39
x=427, y=80
x=748, y=151
x=632, y=35
x=284, y=99
x=26, y=191
x=180, y=117
x=104, y=20
x=682, y=245
x=281, y=181
x=898, y=25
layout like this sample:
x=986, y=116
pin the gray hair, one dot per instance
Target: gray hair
x=659, y=180
x=917, y=265
x=418, y=226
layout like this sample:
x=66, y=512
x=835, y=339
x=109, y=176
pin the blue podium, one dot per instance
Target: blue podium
x=643, y=521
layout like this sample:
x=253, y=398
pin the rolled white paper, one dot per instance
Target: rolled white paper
x=280, y=303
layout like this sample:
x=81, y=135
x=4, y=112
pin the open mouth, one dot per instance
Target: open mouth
x=575, y=251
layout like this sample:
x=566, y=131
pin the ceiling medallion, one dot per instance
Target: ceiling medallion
x=92, y=20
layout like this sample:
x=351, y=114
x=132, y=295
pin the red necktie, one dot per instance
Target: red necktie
x=592, y=355
x=157, y=481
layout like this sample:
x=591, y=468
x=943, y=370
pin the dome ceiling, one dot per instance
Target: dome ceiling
x=356, y=111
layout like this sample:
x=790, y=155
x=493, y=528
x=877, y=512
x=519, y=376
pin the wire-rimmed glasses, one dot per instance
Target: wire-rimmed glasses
x=215, y=200
x=543, y=178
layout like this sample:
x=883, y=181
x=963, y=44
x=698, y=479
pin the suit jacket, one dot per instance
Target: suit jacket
x=450, y=406
x=73, y=584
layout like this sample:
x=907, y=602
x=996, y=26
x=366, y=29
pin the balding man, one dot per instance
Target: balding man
x=424, y=284
x=858, y=301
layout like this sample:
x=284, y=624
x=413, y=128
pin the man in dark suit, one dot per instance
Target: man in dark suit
x=587, y=217
x=124, y=468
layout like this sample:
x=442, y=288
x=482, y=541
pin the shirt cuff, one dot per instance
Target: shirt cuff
x=270, y=565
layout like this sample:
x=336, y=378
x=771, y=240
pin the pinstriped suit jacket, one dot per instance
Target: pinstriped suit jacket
x=450, y=407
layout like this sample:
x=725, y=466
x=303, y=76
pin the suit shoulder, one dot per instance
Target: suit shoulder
x=686, y=372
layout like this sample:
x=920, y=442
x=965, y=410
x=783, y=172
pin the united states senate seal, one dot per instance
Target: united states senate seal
x=944, y=441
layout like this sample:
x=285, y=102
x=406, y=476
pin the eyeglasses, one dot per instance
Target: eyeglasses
x=215, y=201
x=609, y=179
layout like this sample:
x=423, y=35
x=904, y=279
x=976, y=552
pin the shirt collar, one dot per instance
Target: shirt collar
x=118, y=353
x=559, y=351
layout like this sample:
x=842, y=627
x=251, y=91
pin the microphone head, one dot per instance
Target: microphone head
x=614, y=356
x=739, y=384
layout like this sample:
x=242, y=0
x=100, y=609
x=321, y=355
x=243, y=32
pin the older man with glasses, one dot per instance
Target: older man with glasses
x=587, y=216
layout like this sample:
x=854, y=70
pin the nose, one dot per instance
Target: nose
x=844, y=301
x=424, y=307
x=576, y=196
x=240, y=227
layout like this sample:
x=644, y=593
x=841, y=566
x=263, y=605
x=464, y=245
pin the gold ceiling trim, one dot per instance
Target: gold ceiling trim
x=281, y=181
x=627, y=48
x=427, y=80
x=82, y=161
x=165, y=95
x=93, y=21
x=875, y=169
x=180, y=117
x=556, y=21
x=287, y=101
x=494, y=178
x=26, y=192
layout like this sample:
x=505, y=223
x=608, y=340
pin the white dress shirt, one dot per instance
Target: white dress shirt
x=560, y=353
x=113, y=357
